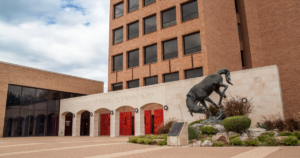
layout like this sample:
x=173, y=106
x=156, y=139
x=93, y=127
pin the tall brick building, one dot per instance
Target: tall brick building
x=157, y=41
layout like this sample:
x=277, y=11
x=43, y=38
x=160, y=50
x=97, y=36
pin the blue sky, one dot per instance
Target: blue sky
x=64, y=36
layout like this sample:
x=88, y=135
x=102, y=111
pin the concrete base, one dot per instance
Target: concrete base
x=182, y=139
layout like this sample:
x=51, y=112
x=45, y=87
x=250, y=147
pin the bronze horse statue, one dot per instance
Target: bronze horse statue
x=201, y=92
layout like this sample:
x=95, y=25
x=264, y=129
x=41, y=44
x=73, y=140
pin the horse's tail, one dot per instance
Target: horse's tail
x=227, y=74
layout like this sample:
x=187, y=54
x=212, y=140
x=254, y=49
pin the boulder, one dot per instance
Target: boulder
x=280, y=138
x=197, y=143
x=206, y=143
x=219, y=128
x=231, y=133
x=224, y=134
x=243, y=137
x=197, y=126
x=255, y=132
x=276, y=133
x=221, y=138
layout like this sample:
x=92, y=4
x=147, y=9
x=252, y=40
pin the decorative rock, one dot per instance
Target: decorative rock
x=255, y=132
x=197, y=126
x=221, y=138
x=223, y=134
x=206, y=143
x=208, y=138
x=193, y=140
x=276, y=130
x=231, y=133
x=197, y=143
x=243, y=137
x=276, y=133
x=219, y=128
x=280, y=138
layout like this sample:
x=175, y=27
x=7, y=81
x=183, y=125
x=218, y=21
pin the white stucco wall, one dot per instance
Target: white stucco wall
x=260, y=84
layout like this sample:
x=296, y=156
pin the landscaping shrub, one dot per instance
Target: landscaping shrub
x=296, y=134
x=234, y=106
x=285, y=133
x=193, y=134
x=235, y=141
x=272, y=141
x=271, y=134
x=166, y=126
x=263, y=138
x=236, y=123
x=218, y=144
x=208, y=130
x=162, y=136
x=251, y=142
x=133, y=139
x=162, y=142
x=148, y=141
x=140, y=140
x=267, y=123
x=292, y=123
x=234, y=136
x=198, y=121
x=154, y=137
x=214, y=110
x=290, y=141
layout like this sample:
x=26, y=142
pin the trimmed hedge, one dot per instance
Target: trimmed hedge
x=251, y=142
x=208, y=130
x=236, y=141
x=272, y=141
x=237, y=123
x=290, y=141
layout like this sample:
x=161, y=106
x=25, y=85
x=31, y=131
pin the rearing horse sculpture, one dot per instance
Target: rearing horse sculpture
x=201, y=92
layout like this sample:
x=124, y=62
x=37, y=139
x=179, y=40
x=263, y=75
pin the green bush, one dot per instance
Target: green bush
x=219, y=143
x=208, y=130
x=236, y=141
x=285, y=133
x=263, y=138
x=234, y=136
x=162, y=142
x=133, y=139
x=198, y=121
x=290, y=141
x=251, y=142
x=237, y=123
x=162, y=136
x=296, y=134
x=272, y=141
x=140, y=140
x=148, y=141
x=193, y=134
x=271, y=134
x=154, y=137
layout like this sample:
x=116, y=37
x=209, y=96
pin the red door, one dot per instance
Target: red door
x=105, y=124
x=125, y=123
x=158, y=119
x=148, y=122
x=68, y=124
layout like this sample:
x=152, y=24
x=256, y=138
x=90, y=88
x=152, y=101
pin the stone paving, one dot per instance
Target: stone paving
x=106, y=147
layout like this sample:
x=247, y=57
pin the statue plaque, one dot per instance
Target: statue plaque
x=176, y=129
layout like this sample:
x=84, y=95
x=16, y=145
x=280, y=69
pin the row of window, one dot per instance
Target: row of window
x=132, y=6
x=189, y=11
x=192, y=44
x=198, y=72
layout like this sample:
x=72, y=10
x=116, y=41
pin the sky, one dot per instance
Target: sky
x=64, y=36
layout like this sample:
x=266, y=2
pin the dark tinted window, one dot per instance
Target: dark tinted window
x=119, y=10
x=189, y=11
x=150, y=54
x=133, y=58
x=118, y=62
x=242, y=57
x=133, y=5
x=151, y=81
x=171, y=77
x=133, y=30
x=28, y=96
x=147, y=2
x=192, y=43
x=13, y=96
x=52, y=123
x=150, y=24
x=133, y=84
x=117, y=86
x=239, y=29
x=118, y=35
x=170, y=49
x=169, y=18
x=53, y=104
x=193, y=73
x=41, y=99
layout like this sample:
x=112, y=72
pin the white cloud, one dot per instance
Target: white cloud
x=65, y=36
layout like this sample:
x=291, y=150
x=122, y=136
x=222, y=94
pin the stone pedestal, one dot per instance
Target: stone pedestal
x=182, y=139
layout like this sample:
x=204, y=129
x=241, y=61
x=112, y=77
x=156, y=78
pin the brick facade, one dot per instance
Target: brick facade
x=24, y=76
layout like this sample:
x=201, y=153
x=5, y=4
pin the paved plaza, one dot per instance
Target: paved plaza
x=106, y=147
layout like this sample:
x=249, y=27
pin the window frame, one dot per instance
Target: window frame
x=115, y=5
x=113, y=59
x=133, y=81
x=146, y=52
x=164, y=75
x=185, y=71
x=171, y=23
x=184, y=50
x=144, y=1
x=149, y=78
x=121, y=39
x=138, y=62
x=196, y=15
x=138, y=33
x=163, y=49
x=116, y=84
x=144, y=23
x=138, y=6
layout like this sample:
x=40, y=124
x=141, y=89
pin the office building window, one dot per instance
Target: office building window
x=133, y=5
x=147, y=2
x=150, y=54
x=242, y=57
x=133, y=84
x=171, y=77
x=150, y=24
x=169, y=18
x=117, y=86
x=118, y=35
x=133, y=58
x=192, y=43
x=170, y=49
x=189, y=11
x=239, y=29
x=151, y=81
x=198, y=72
x=133, y=30
x=119, y=10
x=118, y=62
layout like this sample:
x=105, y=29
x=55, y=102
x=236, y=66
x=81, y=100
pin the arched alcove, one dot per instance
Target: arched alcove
x=126, y=120
x=153, y=117
x=85, y=123
x=102, y=122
